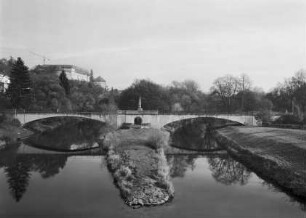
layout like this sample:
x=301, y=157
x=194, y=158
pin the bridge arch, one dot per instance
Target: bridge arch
x=201, y=122
x=25, y=118
x=160, y=120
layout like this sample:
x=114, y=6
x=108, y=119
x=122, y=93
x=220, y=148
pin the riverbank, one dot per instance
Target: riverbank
x=11, y=131
x=278, y=155
x=139, y=166
x=12, y=134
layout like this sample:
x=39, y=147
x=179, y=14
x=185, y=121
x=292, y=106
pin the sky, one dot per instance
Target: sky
x=160, y=40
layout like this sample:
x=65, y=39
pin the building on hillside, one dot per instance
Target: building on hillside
x=100, y=81
x=72, y=72
x=4, y=82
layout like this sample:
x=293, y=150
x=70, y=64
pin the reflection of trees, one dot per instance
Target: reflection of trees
x=291, y=197
x=18, y=176
x=179, y=164
x=48, y=165
x=72, y=132
x=195, y=136
x=228, y=171
x=18, y=171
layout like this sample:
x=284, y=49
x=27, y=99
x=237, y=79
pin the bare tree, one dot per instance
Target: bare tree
x=226, y=88
x=245, y=85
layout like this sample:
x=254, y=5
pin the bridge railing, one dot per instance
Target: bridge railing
x=129, y=112
x=210, y=113
x=137, y=112
x=13, y=111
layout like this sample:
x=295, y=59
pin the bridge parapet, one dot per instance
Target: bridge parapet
x=137, y=112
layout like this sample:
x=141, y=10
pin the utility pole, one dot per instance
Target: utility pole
x=42, y=56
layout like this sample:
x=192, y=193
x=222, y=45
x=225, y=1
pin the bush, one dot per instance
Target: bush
x=123, y=172
x=8, y=119
x=264, y=116
x=288, y=119
x=157, y=139
x=113, y=161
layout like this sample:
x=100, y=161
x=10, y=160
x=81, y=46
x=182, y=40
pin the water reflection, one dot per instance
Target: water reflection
x=291, y=198
x=223, y=168
x=179, y=164
x=72, y=135
x=195, y=136
x=227, y=171
x=19, y=168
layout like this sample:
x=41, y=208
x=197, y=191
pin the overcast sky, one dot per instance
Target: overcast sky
x=162, y=40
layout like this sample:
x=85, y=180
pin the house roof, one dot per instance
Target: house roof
x=99, y=79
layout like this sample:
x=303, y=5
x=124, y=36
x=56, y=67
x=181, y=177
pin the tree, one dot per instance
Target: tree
x=291, y=95
x=64, y=82
x=226, y=88
x=91, y=77
x=6, y=65
x=153, y=96
x=186, y=96
x=19, y=90
x=245, y=85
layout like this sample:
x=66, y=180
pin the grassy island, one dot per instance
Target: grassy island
x=139, y=166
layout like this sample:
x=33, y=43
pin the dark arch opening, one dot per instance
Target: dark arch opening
x=138, y=121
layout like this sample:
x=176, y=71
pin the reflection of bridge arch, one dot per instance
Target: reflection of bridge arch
x=154, y=119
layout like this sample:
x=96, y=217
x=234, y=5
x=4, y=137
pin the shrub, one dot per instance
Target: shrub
x=8, y=119
x=288, y=119
x=157, y=139
x=113, y=160
x=264, y=116
x=123, y=172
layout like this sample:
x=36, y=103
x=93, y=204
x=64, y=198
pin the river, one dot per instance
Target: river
x=53, y=185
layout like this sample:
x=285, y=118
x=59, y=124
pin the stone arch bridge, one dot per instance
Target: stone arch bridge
x=151, y=117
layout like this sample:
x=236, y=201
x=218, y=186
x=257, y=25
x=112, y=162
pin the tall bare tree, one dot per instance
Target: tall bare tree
x=226, y=88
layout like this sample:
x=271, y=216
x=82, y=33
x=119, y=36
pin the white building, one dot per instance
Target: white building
x=72, y=72
x=4, y=82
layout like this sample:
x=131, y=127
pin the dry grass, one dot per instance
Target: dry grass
x=157, y=139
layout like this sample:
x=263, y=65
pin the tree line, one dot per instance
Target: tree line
x=228, y=94
x=39, y=89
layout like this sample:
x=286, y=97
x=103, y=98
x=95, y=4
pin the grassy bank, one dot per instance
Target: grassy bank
x=139, y=166
x=277, y=155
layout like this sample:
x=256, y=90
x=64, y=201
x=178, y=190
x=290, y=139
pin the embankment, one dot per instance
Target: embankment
x=277, y=155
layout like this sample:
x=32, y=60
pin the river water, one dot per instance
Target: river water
x=39, y=183
x=54, y=185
